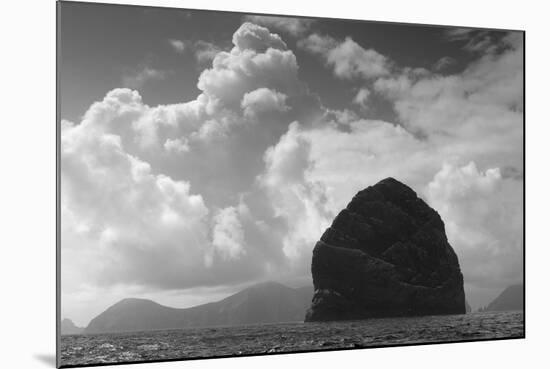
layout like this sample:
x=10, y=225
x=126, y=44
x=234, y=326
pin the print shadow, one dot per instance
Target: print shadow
x=48, y=359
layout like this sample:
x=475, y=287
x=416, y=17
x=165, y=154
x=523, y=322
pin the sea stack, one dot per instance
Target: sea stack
x=385, y=255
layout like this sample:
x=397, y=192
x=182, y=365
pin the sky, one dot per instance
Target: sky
x=202, y=152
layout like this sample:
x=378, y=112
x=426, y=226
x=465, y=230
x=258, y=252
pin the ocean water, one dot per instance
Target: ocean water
x=286, y=337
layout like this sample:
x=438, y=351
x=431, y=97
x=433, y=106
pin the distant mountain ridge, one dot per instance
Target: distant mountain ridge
x=268, y=302
x=510, y=299
x=68, y=327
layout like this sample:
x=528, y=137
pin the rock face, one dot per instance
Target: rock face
x=386, y=254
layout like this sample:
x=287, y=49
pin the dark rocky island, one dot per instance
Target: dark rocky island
x=385, y=255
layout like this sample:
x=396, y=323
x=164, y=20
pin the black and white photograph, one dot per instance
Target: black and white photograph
x=237, y=184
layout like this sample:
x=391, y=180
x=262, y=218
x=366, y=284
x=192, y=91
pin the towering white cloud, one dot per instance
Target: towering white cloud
x=258, y=60
x=293, y=197
x=135, y=219
x=130, y=215
x=253, y=37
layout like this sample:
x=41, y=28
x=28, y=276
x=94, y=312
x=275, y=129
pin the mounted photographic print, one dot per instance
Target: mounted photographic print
x=240, y=184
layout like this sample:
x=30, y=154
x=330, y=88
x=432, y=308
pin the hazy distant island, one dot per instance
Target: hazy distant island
x=510, y=299
x=68, y=327
x=267, y=302
x=386, y=254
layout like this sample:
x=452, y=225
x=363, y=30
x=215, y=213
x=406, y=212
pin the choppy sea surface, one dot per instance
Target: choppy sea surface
x=286, y=337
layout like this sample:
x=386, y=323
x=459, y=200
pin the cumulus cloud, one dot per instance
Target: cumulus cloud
x=253, y=37
x=484, y=222
x=371, y=150
x=479, y=111
x=236, y=73
x=132, y=216
x=213, y=129
x=263, y=100
x=150, y=127
x=287, y=161
x=128, y=228
x=347, y=58
x=259, y=59
x=292, y=26
x=294, y=198
x=115, y=113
